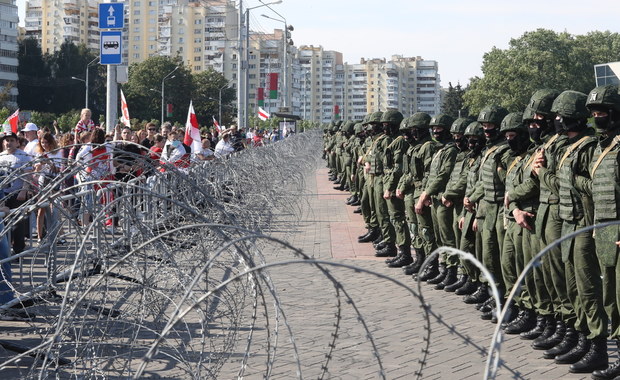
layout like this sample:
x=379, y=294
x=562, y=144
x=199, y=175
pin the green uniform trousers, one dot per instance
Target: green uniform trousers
x=471, y=241
x=583, y=281
x=381, y=210
x=512, y=264
x=542, y=280
x=492, y=232
x=396, y=209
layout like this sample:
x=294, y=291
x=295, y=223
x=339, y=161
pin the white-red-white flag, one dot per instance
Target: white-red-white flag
x=11, y=122
x=124, y=111
x=217, y=125
x=262, y=114
x=192, y=133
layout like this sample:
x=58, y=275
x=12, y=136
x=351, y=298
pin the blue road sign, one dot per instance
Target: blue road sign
x=111, y=48
x=111, y=16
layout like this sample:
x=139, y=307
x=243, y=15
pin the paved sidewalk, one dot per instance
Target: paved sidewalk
x=336, y=327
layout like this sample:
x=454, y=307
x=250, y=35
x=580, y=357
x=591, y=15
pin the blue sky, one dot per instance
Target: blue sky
x=456, y=33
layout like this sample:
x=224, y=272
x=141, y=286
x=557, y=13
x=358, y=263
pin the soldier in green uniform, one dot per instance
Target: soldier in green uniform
x=417, y=132
x=550, y=142
x=604, y=105
x=471, y=238
x=489, y=197
x=421, y=158
x=452, y=196
x=512, y=256
x=576, y=211
x=367, y=204
x=439, y=172
x=355, y=146
x=395, y=161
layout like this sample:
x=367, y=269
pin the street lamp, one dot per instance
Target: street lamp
x=86, y=80
x=243, y=67
x=285, y=57
x=168, y=76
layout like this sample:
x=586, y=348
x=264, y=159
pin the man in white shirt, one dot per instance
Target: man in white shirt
x=30, y=133
x=224, y=147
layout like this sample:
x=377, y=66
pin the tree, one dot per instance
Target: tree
x=206, y=94
x=143, y=90
x=453, y=102
x=34, y=77
x=539, y=59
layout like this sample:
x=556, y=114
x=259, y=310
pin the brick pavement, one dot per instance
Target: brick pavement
x=327, y=230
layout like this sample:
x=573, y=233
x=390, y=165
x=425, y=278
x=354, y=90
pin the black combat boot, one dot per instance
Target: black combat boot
x=487, y=305
x=378, y=240
x=449, y=279
x=431, y=271
x=539, y=328
x=387, y=251
x=352, y=199
x=595, y=359
x=357, y=202
x=612, y=372
x=479, y=296
x=468, y=288
x=578, y=352
x=440, y=276
x=372, y=234
x=405, y=257
x=551, y=341
x=457, y=284
x=380, y=245
x=549, y=330
x=357, y=210
x=523, y=324
x=339, y=187
x=414, y=267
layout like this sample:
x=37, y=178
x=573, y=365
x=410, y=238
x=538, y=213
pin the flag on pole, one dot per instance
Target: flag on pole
x=11, y=122
x=260, y=96
x=262, y=114
x=217, y=125
x=273, y=86
x=192, y=133
x=124, y=111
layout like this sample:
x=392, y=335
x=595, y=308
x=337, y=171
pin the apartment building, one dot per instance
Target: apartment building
x=52, y=22
x=8, y=49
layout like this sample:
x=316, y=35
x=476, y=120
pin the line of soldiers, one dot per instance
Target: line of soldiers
x=502, y=187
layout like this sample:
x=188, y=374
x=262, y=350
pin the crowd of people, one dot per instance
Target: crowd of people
x=88, y=158
x=501, y=187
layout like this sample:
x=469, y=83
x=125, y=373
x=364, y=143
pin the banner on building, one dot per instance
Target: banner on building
x=260, y=96
x=273, y=86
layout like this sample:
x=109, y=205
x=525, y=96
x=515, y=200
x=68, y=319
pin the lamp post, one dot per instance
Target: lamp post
x=245, y=63
x=285, y=56
x=219, y=102
x=168, y=76
x=86, y=80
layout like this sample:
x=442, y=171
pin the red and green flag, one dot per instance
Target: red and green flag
x=260, y=96
x=273, y=86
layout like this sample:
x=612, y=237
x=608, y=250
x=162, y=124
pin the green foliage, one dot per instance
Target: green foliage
x=453, y=102
x=540, y=59
x=43, y=118
x=4, y=113
x=207, y=85
x=143, y=90
x=68, y=120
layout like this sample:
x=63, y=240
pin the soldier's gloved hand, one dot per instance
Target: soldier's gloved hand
x=400, y=194
x=387, y=194
x=367, y=168
x=474, y=225
x=469, y=206
x=461, y=223
x=506, y=200
x=446, y=202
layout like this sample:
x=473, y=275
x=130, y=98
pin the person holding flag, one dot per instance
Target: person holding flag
x=11, y=123
x=192, y=132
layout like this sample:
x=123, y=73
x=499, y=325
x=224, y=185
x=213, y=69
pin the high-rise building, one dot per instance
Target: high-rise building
x=8, y=49
x=53, y=22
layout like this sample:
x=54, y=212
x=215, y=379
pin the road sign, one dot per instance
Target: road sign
x=111, y=49
x=111, y=16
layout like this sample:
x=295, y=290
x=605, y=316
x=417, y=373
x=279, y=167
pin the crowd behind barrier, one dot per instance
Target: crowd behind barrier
x=118, y=238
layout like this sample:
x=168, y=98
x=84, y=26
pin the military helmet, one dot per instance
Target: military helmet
x=528, y=115
x=459, y=125
x=474, y=129
x=339, y=123
x=366, y=118
x=419, y=120
x=604, y=97
x=540, y=102
x=513, y=122
x=375, y=117
x=571, y=104
x=358, y=128
x=492, y=114
x=404, y=124
x=391, y=116
x=441, y=120
x=348, y=127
